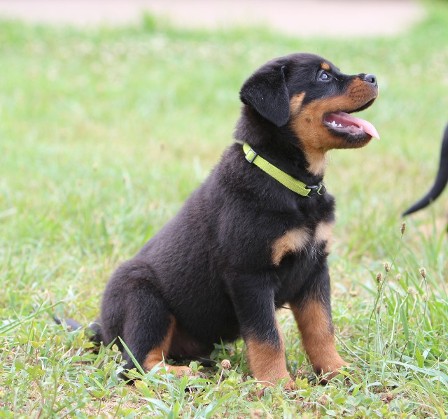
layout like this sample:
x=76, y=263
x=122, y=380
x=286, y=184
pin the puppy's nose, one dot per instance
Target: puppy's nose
x=369, y=78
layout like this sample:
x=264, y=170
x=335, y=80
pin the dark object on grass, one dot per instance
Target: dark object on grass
x=70, y=324
x=440, y=182
x=93, y=329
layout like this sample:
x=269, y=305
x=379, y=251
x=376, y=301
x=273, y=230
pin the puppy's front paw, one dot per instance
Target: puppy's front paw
x=287, y=383
x=329, y=369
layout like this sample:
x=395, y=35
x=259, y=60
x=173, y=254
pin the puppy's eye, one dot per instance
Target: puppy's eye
x=324, y=76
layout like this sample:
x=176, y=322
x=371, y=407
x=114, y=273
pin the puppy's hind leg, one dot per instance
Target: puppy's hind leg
x=134, y=311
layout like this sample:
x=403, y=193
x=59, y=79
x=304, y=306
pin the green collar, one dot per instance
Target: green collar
x=286, y=180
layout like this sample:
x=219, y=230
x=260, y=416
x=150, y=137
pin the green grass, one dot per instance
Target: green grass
x=105, y=132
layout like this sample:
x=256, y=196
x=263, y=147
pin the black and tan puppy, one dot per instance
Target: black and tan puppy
x=440, y=181
x=254, y=236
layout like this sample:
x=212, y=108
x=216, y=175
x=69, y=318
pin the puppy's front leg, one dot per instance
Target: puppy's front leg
x=313, y=316
x=254, y=306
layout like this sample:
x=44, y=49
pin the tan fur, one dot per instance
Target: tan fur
x=325, y=66
x=324, y=233
x=317, y=161
x=295, y=103
x=291, y=242
x=157, y=355
x=317, y=336
x=267, y=362
x=315, y=138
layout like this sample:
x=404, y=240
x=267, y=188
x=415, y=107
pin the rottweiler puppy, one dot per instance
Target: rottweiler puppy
x=440, y=181
x=253, y=237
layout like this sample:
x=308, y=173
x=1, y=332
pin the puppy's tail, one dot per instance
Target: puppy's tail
x=93, y=329
x=439, y=183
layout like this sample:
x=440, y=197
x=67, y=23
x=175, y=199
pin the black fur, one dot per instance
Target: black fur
x=440, y=181
x=210, y=268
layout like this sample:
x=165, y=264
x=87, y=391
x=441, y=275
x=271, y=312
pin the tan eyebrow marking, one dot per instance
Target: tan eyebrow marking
x=325, y=66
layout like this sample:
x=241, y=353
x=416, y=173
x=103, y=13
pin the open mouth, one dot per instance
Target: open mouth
x=344, y=124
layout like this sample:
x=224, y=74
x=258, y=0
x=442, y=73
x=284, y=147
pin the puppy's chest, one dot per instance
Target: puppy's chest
x=303, y=242
x=297, y=255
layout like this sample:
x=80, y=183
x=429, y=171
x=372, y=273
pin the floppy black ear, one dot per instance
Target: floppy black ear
x=267, y=93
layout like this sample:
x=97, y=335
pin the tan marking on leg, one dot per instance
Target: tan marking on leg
x=157, y=355
x=324, y=233
x=268, y=362
x=318, y=339
x=291, y=242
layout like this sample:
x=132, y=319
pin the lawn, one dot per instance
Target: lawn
x=103, y=135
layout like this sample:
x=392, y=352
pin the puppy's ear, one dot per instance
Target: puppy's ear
x=267, y=93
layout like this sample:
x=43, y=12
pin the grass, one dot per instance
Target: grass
x=105, y=132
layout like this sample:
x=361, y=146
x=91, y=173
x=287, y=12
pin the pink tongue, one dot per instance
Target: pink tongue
x=347, y=120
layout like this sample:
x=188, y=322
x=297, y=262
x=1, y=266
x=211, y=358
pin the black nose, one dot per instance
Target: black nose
x=369, y=78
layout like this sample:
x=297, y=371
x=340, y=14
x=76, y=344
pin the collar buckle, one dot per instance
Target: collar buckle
x=318, y=189
x=251, y=155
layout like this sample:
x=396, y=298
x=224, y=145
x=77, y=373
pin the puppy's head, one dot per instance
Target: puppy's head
x=314, y=100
